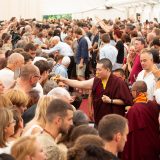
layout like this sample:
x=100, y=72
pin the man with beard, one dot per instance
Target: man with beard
x=59, y=117
x=28, y=78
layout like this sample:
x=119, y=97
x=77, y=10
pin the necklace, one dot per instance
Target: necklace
x=44, y=130
x=8, y=68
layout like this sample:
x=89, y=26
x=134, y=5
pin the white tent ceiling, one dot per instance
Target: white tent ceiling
x=69, y=6
x=79, y=9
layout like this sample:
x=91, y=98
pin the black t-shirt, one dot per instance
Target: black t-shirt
x=120, y=48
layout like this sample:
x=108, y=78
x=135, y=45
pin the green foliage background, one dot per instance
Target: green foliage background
x=59, y=16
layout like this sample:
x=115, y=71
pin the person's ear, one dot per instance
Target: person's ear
x=57, y=120
x=118, y=137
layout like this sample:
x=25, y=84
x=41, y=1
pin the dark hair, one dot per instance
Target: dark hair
x=107, y=64
x=105, y=38
x=57, y=32
x=7, y=37
x=8, y=53
x=78, y=31
x=134, y=34
x=141, y=40
x=120, y=70
x=130, y=26
x=110, y=125
x=126, y=38
x=140, y=86
x=155, y=53
x=89, y=152
x=1, y=43
x=82, y=130
x=42, y=65
x=18, y=50
x=29, y=46
x=3, y=36
x=33, y=96
x=156, y=41
x=57, y=107
x=3, y=63
x=5, y=156
x=27, y=56
x=79, y=118
x=50, y=33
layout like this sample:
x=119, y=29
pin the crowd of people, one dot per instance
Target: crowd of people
x=49, y=68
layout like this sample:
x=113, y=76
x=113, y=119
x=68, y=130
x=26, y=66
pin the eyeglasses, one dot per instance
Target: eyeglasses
x=38, y=76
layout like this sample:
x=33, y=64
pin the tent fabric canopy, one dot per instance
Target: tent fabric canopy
x=70, y=6
x=80, y=9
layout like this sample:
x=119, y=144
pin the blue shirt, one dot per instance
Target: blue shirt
x=61, y=70
x=82, y=50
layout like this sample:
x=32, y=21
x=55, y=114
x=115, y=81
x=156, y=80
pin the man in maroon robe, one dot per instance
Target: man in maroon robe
x=115, y=90
x=110, y=94
x=143, y=141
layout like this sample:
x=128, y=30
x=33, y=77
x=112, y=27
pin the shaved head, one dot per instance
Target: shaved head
x=139, y=86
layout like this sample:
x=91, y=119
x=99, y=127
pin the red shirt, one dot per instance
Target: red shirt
x=135, y=69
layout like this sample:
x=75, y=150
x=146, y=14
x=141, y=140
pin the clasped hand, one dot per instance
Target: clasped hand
x=106, y=99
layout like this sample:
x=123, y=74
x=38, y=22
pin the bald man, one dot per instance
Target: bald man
x=28, y=77
x=7, y=75
x=143, y=138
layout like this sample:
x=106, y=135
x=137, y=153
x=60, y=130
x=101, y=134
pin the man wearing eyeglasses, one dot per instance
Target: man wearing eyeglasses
x=28, y=78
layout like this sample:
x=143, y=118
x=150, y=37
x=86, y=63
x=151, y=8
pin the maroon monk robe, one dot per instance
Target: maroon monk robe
x=143, y=138
x=115, y=89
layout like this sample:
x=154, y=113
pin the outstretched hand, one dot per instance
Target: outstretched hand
x=58, y=78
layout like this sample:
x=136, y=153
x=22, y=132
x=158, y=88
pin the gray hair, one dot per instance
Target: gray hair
x=60, y=92
x=66, y=60
x=14, y=57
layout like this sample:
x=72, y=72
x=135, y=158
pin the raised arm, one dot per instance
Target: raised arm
x=86, y=84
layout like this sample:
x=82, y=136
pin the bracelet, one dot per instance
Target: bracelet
x=111, y=101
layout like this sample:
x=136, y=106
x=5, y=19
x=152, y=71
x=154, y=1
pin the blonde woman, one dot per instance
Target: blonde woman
x=27, y=148
x=18, y=98
x=38, y=123
x=4, y=101
x=7, y=124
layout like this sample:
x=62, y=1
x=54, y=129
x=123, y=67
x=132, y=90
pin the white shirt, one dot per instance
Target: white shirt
x=150, y=81
x=157, y=95
x=110, y=52
x=30, y=130
x=62, y=47
x=39, y=88
x=89, y=44
x=7, y=77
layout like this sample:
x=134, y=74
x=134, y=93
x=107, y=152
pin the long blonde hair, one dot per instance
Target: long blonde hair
x=42, y=105
x=25, y=146
x=6, y=116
